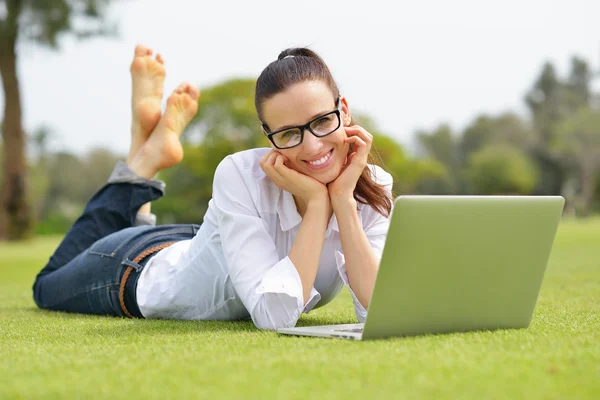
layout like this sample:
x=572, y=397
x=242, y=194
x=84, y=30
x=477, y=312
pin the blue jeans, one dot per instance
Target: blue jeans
x=85, y=273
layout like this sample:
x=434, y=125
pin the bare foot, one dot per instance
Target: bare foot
x=147, y=78
x=163, y=149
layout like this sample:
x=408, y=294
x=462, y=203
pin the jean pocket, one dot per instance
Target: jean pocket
x=106, y=247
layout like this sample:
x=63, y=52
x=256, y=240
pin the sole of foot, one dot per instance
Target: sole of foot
x=163, y=148
x=147, y=78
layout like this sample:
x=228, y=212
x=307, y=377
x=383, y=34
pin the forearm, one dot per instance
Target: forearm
x=306, y=250
x=361, y=262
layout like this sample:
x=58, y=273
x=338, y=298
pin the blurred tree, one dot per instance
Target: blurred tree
x=577, y=86
x=62, y=183
x=41, y=22
x=65, y=174
x=39, y=140
x=545, y=101
x=577, y=142
x=97, y=164
x=507, y=128
x=501, y=169
x=226, y=111
x=443, y=146
x=550, y=101
x=410, y=175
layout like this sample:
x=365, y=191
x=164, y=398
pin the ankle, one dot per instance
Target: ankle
x=141, y=166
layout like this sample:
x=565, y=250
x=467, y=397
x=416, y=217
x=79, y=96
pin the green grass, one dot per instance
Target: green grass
x=59, y=355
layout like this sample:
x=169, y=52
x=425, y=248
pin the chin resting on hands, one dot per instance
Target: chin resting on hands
x=301, y=186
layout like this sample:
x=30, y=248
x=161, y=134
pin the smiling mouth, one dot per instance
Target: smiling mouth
x=321, y=163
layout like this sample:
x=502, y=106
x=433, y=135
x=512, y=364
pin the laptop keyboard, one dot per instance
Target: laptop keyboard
x=357, y=330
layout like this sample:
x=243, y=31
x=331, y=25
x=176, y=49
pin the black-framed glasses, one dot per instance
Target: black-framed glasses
x=320, y=126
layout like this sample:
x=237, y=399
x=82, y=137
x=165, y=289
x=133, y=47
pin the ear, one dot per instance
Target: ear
x=345, y=115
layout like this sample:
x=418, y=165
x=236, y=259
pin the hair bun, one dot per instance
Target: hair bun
x=284, y=54
x=296, y=52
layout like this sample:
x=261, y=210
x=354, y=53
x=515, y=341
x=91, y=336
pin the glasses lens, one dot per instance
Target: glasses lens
x=287, y=138
x=325, y=124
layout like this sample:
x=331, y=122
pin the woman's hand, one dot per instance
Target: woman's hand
x=302, y=187
x=342, y=188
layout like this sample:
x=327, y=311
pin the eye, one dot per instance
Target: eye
x=288, y=134
x=323, y=120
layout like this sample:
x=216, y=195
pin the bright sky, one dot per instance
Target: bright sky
x=408, y=64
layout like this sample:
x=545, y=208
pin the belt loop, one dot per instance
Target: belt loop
x=131, y=265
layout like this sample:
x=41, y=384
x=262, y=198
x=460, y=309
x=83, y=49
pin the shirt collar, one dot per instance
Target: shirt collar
x=289, y=217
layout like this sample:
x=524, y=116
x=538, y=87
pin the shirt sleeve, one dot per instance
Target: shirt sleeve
x=376, y=227
x=269, y=287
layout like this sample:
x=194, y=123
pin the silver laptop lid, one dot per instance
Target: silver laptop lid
x=461, y=263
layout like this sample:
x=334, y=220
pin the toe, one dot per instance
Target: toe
x=159, y=58
x=141, y=51
x=192, y=90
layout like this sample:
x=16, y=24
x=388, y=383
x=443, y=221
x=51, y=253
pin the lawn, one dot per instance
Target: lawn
x=57, y=355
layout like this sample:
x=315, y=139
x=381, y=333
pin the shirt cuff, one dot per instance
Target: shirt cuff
x=283, y=278
x=361, y=312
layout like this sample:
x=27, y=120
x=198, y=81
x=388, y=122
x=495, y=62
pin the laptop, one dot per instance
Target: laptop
x=456, y=264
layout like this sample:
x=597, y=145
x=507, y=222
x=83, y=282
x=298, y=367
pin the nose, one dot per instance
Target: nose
x=312, y=144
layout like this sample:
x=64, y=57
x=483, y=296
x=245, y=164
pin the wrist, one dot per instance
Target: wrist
x=343, y=203
x=319, y=202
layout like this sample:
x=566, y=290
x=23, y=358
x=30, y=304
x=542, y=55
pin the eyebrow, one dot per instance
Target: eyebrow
x=311, y=119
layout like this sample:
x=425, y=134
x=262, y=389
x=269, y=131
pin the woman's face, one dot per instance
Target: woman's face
x=321, y=158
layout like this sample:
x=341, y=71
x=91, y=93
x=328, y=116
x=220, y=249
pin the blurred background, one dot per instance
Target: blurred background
x=463, y=97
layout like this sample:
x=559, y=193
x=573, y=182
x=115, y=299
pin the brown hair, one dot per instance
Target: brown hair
x=305, y=65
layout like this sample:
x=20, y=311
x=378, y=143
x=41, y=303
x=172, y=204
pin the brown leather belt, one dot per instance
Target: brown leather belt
x=137, y=260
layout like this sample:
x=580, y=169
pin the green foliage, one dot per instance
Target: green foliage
x=551, y=100
x=576, y=143
x=578, y=137
x=507, y=128
x=501, y=169
x=44, y=21
x=410, y=175
x=61, y=184
x=226, y=112
x=57, y=222
x=441, y=145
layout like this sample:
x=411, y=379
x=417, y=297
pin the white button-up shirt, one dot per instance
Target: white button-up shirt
x=237, y=265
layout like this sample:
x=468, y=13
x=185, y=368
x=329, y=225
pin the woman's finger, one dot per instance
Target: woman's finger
x=359, y=131
x=361, y=149
x=268, y=158
x=357, y=142
x=286, y=173
x=270, y=170
x=279, y=162
x=264, y=158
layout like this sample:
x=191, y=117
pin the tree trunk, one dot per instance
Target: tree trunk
x=15, y=217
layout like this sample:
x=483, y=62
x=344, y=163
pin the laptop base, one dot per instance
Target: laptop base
x=341, y=331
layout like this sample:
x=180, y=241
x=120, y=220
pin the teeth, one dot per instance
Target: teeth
x=321, y=161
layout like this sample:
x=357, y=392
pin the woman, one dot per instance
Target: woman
x=286, y=228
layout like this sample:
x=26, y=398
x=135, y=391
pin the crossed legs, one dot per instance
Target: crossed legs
x=71, y=275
